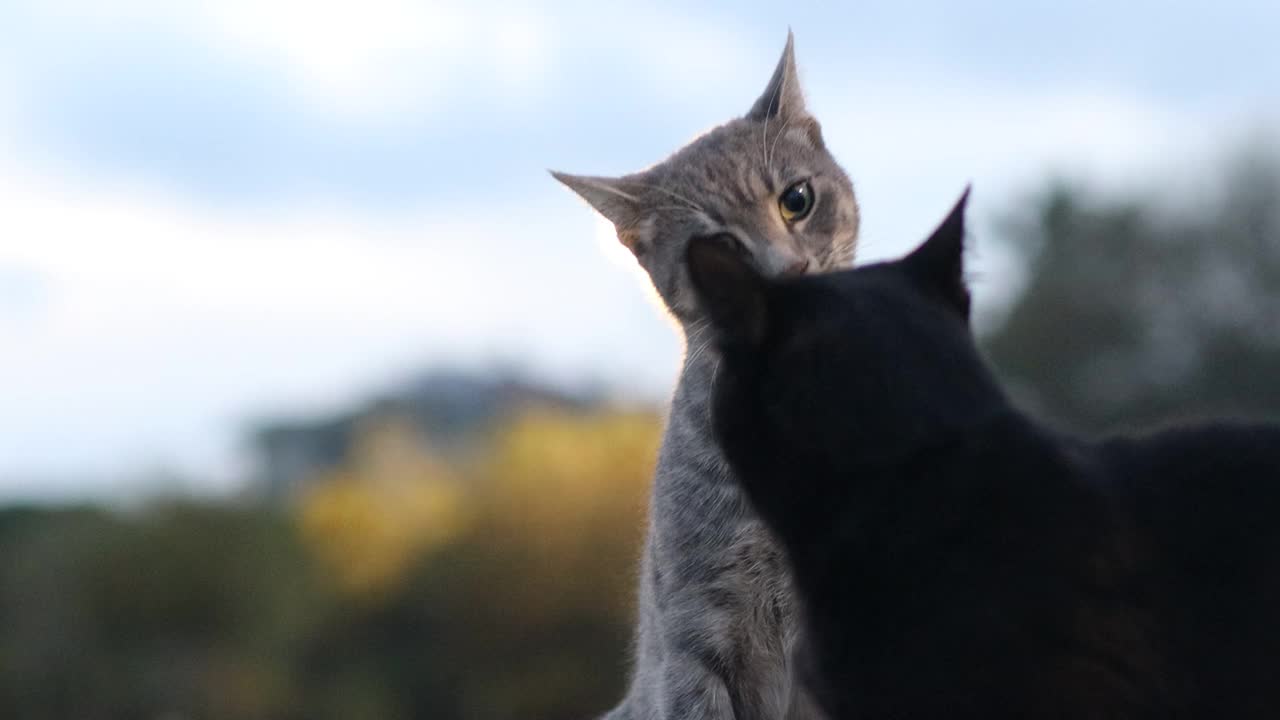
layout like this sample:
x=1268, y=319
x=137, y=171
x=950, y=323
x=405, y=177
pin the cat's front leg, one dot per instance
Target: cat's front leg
x=803, y=705
x=693, y=689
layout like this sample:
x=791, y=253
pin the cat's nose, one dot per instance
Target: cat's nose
x=796, y=268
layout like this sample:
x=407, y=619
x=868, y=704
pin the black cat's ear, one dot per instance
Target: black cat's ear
x=782, y=97
x=611, y=197
x=730, y=291
x=939, y=262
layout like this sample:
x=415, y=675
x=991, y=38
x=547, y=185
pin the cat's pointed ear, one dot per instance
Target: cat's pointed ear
x=783, y=96
x=730, y=291
x=611, y=197
x=939, y=262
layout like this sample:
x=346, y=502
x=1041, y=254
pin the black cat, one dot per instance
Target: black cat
x=956, y=558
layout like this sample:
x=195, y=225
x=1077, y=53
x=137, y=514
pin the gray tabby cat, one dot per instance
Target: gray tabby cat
x=716, y=614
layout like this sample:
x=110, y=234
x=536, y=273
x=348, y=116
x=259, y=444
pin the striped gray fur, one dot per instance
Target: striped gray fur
x=716, y=615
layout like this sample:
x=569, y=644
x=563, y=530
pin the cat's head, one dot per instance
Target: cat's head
x=765, y=178
x=831, y=372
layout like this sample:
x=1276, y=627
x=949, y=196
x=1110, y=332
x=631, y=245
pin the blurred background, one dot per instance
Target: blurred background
x=320, y=399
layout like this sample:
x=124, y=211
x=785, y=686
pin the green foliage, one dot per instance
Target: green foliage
x=1147, y=311
x=181, y=609
x=493, y=584
x=400, y=586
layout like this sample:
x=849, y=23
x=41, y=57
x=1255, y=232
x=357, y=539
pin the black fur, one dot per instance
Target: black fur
x=957, y=559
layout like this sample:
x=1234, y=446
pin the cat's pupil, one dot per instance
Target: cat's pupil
x=796, y=201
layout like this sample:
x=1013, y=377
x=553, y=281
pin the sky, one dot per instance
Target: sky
x=214, y=212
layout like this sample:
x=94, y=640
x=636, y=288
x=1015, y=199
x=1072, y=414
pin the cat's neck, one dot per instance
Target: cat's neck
x=689, y=447
x=700, y=353
x=691, y=404
x=689, y=451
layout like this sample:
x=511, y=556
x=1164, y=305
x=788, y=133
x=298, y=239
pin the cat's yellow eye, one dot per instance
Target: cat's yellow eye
x=796, y=201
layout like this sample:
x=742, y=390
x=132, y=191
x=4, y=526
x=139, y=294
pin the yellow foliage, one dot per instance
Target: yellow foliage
x=565, y=503
x=550, y=514
x=555, y=472
x=391, y=502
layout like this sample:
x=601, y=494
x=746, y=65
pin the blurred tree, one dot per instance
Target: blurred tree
x=497, y=583
x=491, y=586
x=187, y=611
x=512, y=599
x=1138, y=312
x=564, y=506
x=389, y=502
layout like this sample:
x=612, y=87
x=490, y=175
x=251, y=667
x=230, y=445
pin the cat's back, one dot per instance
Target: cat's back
x=1206, y=502
x=1206, y=488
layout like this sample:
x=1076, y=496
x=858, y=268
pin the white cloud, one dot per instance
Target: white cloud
x=162, y=322
x=353, y=57
x=164, y=325
x=694, y=59
x=382, y=57
x=368, y=61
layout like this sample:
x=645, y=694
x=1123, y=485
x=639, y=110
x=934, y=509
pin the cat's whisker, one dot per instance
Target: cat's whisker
x=768, y=161
x=764, y=135
x=665, y=191
x=837, y=257
x=696, y=352
x=715, y=370
x=764, y=143
x=698, y=324
x=824, y=259
x=691, y=205
x=699, y=350
x=768, y=153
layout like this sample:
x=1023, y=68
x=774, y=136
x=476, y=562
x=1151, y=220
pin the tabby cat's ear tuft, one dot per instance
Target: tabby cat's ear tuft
x=730, y=291
x=939, y=261
x=782, y=97
x=609, y=196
